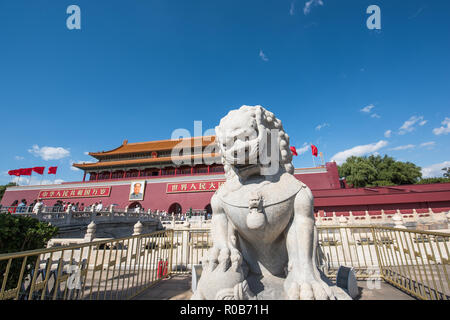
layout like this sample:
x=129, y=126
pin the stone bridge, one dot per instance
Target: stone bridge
x=108, y=224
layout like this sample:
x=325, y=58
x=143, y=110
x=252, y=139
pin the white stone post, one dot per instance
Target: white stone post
x=344, y=238
x=398, y=220
x=351, y=218
x=448, y=219
x=137, y=229
x=90, y=232
x=415, y=215
x=69, y=217
x=383, y=216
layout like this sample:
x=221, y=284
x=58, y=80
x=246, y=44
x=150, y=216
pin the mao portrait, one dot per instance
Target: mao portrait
x=137, y=190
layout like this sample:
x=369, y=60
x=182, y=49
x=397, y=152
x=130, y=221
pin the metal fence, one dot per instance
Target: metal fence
x=112, y=269
x=414, y=261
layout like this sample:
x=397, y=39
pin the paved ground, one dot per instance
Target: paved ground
x=179, y=288
x=385, y=291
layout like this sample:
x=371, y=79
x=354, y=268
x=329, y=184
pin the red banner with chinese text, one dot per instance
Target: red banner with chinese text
x=75, y=193
x=201, y=186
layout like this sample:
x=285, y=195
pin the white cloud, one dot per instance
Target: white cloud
x=86, y=153
x=444, y=129
x=304, y=148
x=49, y=153
x=35, y=180
x=309, y=4
x=405, y=147
x=408, y=125
x=416, y=13
x=435, y=170
x=263, y=56
x=323, y=125
x=292, y=9
x=368, y=108
x=428, y=144
x=388, y=133
x=358, y=151
x=19, y=158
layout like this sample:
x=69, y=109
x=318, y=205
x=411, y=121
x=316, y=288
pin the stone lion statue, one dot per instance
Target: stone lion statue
x=263, y=227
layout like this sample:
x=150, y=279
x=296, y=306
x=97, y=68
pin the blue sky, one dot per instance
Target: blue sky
x=138, y=70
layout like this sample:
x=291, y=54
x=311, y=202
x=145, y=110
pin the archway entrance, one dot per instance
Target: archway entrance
x=174, y=208
x=135, y=205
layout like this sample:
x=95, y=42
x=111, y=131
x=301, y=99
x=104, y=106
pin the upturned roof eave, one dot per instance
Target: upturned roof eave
x=140, y=162
x=151, y=146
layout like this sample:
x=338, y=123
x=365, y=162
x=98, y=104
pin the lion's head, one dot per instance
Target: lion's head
x=251, y=140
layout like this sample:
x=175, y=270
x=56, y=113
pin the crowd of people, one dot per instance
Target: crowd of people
x=62, y=206
x=59, y=206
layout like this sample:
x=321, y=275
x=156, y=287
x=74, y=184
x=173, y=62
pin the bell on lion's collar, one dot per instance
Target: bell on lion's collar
x=255, y=219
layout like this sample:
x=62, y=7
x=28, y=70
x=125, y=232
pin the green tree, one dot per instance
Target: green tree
x=378, y=171
x=17, y=234
x=3, y=189
x=434, y=180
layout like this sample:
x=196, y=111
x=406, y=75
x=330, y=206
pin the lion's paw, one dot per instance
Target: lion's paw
x=309, y=290
x=222, y=260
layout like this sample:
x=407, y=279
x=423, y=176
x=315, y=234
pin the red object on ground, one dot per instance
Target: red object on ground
x=165, y=271
x=25, y=171
x=314, y=150
x=39, y=170
x=162, y=269
x=14, y=172
x=52, y=170
x=294, y=151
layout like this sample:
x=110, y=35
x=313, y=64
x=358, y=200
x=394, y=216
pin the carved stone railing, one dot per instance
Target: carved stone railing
x=398, y=218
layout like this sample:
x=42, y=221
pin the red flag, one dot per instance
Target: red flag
x=25, y=172
x=39, y=170
x=294, y=151
x=14, y=172
x=314, y=150
x=52, y=170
